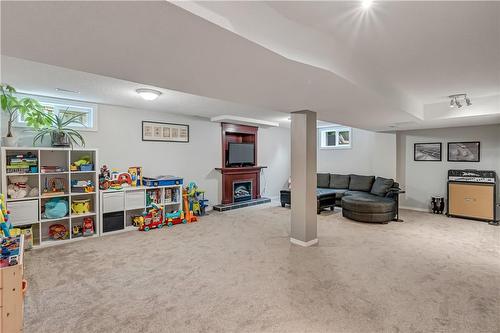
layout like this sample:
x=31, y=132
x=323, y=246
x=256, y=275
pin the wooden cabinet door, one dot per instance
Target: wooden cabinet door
x=471, y=200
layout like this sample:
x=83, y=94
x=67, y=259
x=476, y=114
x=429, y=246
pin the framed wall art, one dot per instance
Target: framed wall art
x=164, y=132
x=464, y=151
x=427, y=151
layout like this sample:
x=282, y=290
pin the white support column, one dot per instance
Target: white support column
x=303, y=188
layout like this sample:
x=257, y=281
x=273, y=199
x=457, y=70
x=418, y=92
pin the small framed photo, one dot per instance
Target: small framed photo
x=464, y=151
x=164, y=132
x=429, y=152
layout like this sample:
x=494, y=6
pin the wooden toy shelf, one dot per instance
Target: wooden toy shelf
x=12, y=288
x=28, y=210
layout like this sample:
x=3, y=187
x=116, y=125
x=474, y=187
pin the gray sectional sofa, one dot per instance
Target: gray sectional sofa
x=363, y=198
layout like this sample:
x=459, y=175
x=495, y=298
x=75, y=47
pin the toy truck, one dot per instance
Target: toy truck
x=153, y=219
x=175, y=218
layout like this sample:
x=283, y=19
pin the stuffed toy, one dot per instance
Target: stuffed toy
x=19, y=188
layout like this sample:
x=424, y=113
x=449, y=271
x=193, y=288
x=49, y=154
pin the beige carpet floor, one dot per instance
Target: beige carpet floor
x=238, y=272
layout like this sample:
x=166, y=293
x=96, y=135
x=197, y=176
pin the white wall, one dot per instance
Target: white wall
x=371, y=154
x=425, y=179
x=120, y=146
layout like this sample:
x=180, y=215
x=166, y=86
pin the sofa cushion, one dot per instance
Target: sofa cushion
x=339, y=193
x=381, y=186
x=361, y=183
x=339, y=181
x=368, y=204
x=323, y=180
x=357, y=193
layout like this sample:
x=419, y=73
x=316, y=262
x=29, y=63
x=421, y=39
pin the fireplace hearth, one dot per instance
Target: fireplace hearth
x=242, y=191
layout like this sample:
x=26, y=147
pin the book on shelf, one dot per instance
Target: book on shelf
x=168, y=195
x=51, y=169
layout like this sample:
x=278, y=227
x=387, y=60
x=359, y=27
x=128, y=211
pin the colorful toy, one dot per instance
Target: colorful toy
x=58, y=231
x=5, y=224
x=10, y=250
x=83, y=164
x=104, y=178
x=137, y=220
x=54, y=186
x=115, y=186
x=153, y=219
x=188, y=213
x=28, y=237
x=77, y=230
x=165, y=180
x=124, y=179
x=175, y=218
x=136, y=175
x=82, y=186
x=88, y=227
x=197, y=201
x=56, y=208
x=80, y=206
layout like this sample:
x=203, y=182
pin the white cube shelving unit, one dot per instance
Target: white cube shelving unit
x=133, y=201
x=28, y=210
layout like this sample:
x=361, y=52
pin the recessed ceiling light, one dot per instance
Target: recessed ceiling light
x=148, y=94
x=67, y=91
x=366, y=3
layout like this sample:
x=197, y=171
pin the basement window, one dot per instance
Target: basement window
x=335, y=138
x=86, y=113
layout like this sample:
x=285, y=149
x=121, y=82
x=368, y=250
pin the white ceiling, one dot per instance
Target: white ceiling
x=392, y=66
x=430, y=49
x=41, y=79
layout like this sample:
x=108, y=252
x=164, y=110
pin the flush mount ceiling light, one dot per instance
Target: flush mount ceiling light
x=455, y=100
x=366, y=4
x=148, y=94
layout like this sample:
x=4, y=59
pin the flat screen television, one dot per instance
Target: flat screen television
x=241, y=153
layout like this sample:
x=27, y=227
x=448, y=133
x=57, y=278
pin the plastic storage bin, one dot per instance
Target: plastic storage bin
x=113, y=221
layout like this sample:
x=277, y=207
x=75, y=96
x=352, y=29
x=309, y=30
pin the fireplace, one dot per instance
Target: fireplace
x=242, y=190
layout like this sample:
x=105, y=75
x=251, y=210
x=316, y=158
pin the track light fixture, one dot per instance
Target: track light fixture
x=455, y=100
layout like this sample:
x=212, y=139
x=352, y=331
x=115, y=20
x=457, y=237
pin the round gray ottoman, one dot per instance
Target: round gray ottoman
x=368, y=208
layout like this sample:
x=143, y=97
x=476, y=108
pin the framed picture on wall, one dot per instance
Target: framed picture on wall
x=464, y=151
x=427, y=152
x=164, y=132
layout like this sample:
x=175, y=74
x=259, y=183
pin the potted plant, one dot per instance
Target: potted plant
x=29, y=108
x=57, y=126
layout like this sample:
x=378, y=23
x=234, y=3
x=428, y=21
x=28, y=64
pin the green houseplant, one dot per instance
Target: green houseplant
x=57, y=126
x=30, y=109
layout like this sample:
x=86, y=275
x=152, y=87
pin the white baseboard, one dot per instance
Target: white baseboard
x=304, y=244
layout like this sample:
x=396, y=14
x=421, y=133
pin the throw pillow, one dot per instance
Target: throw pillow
x=361, y=183
x=381, y=186
x=339, y=181
x=323, y=180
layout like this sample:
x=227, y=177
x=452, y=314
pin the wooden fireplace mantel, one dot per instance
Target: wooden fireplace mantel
x=232, y=175
x=239, y=170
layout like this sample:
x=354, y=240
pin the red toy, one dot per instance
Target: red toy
x=88, y=227
x=58, y=231
x=153, y=219
x=175, y=218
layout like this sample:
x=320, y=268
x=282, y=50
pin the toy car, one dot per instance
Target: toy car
x=175, y=218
